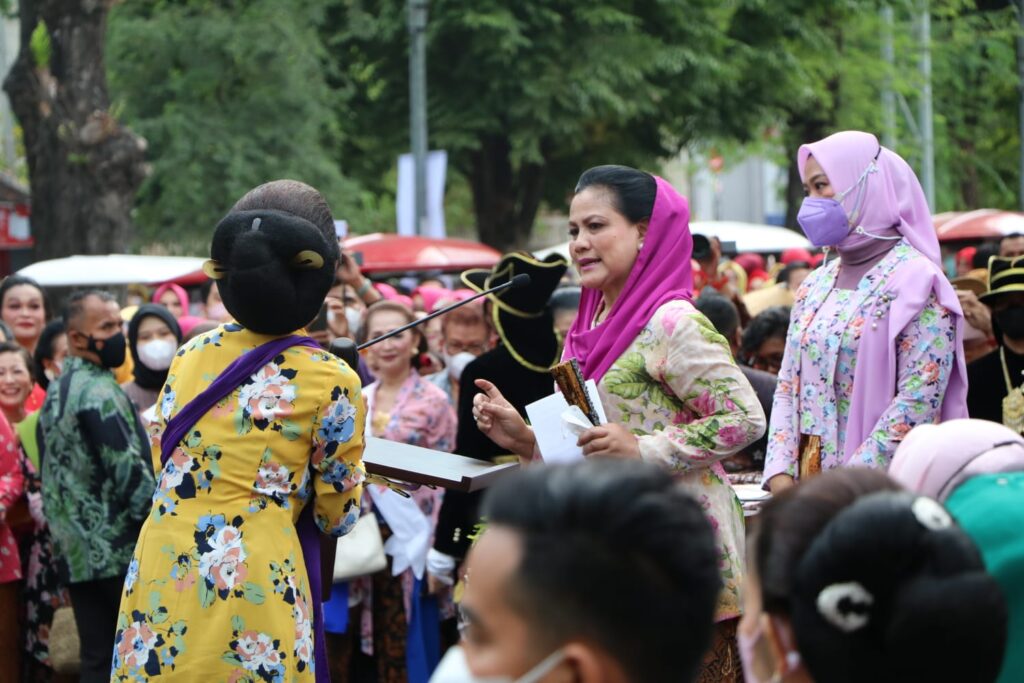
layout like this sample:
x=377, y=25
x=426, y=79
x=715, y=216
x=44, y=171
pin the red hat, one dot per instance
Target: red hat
x=795, y=254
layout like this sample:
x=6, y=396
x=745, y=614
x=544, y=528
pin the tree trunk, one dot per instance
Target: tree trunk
x=84, y=167
x=505, y=199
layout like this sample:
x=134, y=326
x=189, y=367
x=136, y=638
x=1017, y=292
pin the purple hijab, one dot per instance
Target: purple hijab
x=662, y=273
x=893, y=198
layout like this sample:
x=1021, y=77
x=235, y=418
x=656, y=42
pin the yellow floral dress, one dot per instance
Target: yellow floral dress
x=217, y=589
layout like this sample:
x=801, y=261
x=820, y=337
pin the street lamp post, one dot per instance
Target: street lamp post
x=418, y=108
x=925, y=111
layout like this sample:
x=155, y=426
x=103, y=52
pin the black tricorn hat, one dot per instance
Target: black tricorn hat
x=520, y=314
x=273, y=269
x=1005, y=276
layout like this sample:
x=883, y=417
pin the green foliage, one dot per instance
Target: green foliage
x=976, y=99
x=559, y=83
x=817, y=67
x=228, y=95
x=40, y=43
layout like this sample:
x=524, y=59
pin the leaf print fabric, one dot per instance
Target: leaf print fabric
x=217, y=589
x=678, y=389
x=96, y=480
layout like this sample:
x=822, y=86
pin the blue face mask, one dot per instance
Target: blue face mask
x=824, y=220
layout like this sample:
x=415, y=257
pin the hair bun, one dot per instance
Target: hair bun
x=888, y=580
x=274, y=269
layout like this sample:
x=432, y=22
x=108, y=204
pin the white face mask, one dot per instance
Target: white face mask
x=457, y=363
x=157, y=354
x=355, y=320
x=453, y=669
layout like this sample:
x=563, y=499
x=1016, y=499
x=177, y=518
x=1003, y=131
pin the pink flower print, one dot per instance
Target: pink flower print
x=732, y=436
x=224, y=565
x=899, y=430
x=256, y=650
x=179, y=464
x=930, y=372
x=683, y=417
x=137, y=641
x=669, y=320
x=857, y=325
x=705, y=403
x=269, y=396
x=273, y=479
x=303, y=631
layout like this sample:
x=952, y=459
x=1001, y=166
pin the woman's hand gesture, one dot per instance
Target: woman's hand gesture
x=610, y=441
x=500, y=422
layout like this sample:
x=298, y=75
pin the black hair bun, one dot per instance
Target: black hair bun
x=273, y=269
x=893, y=590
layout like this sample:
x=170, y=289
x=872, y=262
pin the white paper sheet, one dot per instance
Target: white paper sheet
x=555, y=432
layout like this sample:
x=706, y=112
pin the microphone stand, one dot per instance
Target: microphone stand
x=347, y=350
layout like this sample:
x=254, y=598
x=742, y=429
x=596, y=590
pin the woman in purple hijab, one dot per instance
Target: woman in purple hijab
x=876, y=336
x=672, y=393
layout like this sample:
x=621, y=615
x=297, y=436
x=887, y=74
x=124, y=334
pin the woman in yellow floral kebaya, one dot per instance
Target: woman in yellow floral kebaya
x=217, y=589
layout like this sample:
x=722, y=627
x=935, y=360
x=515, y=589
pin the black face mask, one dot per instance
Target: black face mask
x=112, y=354
x=1011, y=322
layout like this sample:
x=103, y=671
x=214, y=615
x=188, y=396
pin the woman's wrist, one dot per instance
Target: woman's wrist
x=526, y=445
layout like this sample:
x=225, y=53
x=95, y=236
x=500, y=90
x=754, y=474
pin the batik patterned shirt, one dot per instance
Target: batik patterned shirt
x=97, y=480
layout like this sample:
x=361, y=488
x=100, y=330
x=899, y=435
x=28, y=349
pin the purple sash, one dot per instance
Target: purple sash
x=231, y=378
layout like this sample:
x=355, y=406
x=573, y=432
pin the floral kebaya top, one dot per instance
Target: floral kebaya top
x=12, y=485
x=97, y=481
x=217, y=588
x=678, y=389
x=816, y=380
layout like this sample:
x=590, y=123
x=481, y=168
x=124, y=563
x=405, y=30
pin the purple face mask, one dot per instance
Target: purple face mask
x=823, y=220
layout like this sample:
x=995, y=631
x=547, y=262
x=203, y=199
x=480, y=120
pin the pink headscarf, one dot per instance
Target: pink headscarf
x=662, y=273
x=431, y=295
x=391, y=294
x=187, y=323
x=893, y=196
x=749, y=262
x=177, y=289
x=935, y=459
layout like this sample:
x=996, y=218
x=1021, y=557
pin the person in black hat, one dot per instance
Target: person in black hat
x=994, y=381
x=528, y=348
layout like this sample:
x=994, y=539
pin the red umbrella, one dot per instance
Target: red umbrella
x=980, y=224
x=390, y=253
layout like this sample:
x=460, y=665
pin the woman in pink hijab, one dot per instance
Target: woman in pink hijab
x=667, y=381
x=876, y=336
x=173, y=297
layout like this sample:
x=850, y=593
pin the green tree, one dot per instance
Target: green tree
x=976, y=104
x=525, y=95
x=228, y=95
x=84, y=166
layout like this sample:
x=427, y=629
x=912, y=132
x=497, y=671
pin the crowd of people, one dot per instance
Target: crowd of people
x=172, y=462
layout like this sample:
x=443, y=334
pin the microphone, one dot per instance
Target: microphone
x=346, y=349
